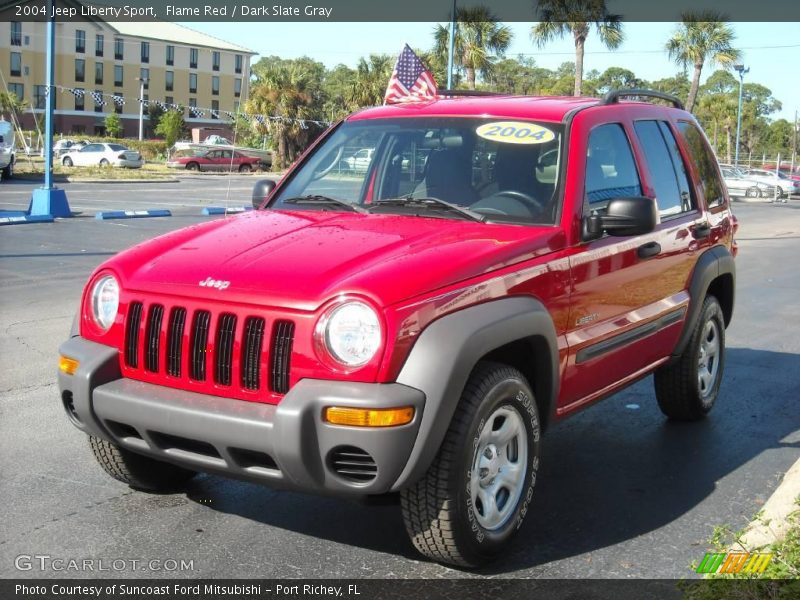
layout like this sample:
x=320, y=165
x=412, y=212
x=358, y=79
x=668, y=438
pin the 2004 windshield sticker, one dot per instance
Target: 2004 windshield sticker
x=515, y=132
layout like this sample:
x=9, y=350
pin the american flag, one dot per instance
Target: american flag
x=410, y=80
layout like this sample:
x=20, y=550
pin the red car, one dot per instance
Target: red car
x=216, y=160
x=415, y=327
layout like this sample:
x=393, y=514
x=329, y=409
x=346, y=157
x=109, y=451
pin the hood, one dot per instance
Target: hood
x=301, y=259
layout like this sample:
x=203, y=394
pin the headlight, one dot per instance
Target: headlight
x=351, y=333
x=105, y=301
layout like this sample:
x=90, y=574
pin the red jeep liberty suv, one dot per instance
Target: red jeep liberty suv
x=414, y=325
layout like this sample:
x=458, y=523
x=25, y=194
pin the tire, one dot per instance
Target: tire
x=67, y=162
x=138, y=471
x=753, y=192
x=779, y=189
x=192, y=166
x=245, y=168
x=447, y=513
x=104, y=162
x=687, y=388
x=8, y=171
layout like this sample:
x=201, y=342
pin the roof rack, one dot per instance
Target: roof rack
x=468, y=93
x=613, y=96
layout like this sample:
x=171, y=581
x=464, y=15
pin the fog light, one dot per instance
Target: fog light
x=362, y=417
x=68, y=365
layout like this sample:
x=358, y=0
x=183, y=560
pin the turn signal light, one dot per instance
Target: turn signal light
x=362, y=417
x=68, y=365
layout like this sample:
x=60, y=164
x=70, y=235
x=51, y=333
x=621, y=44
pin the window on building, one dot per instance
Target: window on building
x=80, y=41
x=193, y=102
x=80, y=69
x=98, y=73
x=118, y=104
x=144, y=76
x=118, y=73
x=79, y=98
x=78, y=129
x=215, y=109
x=16, y=33
x=145, y=54
x=192, y=83
x=237, y=87
x=100, y=130
x=39, y=97
x=215, y=85
x=16, y=64
x=169, y=100
x=119, y=49
x=706, y=163
x=99, y=41
x=18, y=90
x=215, y=61
x=98, y=107
x=169, y=80
x=610, y=167
x=170, y=55
x=238, y=63
x=193, y=58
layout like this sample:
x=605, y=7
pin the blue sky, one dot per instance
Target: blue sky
x=771, y=50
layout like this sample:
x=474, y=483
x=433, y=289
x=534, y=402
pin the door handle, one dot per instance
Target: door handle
x=648, y=250
x=701, y=231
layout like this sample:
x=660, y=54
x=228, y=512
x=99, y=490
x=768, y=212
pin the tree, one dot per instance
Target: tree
x=154, y=114
x=336, y=87
x=700, y=38
x=113, y=125
x=576, y=17
x=615, y=78
x=370, y=81
x=171, y=126
x=480, y=39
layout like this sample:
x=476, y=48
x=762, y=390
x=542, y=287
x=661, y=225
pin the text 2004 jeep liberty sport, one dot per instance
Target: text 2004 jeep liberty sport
x=414, y=325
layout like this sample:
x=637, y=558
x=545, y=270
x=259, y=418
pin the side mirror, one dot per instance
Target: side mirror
x=624, y=216
x=261, y=191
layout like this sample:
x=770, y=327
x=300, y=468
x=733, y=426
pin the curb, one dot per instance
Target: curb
x=167, y=180
x=24, y=219
x=771, y=525
x=221, y=210
x=131, y=214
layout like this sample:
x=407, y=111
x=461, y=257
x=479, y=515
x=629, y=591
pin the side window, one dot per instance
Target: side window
x=669, y=180
x=705, y=162
x=610, y=167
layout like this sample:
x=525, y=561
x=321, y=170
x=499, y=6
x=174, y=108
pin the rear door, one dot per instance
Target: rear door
x=629, y=297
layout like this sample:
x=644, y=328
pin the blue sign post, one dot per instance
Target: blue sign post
x=49, y=200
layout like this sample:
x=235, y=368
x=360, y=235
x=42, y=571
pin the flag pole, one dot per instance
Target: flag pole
x=451, y=48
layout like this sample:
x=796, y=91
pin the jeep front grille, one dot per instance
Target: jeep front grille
x=222, y=349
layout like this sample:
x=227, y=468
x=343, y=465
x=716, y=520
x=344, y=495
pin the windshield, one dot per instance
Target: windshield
x=506, y=171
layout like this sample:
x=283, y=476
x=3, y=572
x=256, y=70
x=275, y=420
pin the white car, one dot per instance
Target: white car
x=104, y=155
x=360, y=160
x=740, y=185
x=786, y=186
x=6, y=150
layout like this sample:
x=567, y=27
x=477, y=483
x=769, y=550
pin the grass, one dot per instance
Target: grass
x=35, y=168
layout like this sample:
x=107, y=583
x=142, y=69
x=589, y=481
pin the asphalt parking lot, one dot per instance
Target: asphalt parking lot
x=622, y=492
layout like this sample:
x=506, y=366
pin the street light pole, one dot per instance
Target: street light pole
x=142, y=82
x=742, y=71
x=451, y=47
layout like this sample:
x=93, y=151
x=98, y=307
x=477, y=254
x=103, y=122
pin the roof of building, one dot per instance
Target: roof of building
x=549, y=108
x=172, y=32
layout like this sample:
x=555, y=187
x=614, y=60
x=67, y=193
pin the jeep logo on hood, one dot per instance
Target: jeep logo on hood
x=215, y=283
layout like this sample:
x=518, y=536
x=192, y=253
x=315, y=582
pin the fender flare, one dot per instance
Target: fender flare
x=712, y=264
x=447, y=351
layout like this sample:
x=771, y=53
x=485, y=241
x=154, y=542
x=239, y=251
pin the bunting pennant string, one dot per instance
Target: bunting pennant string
x=195, y=112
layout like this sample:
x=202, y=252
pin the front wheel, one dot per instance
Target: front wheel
x=67, y=162
x=753, y=192
x=466, y=509
x=8, y=171
x=104, y=162
x=687, y=388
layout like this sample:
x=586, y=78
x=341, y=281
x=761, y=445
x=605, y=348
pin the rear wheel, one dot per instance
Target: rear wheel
x=245, y=168
x=192, y=166
x=104, y=162
x=466, y=509
x=67, y=162
x=687, y=388
x=136, y=470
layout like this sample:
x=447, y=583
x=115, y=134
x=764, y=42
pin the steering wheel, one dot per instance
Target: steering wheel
x=524, y=198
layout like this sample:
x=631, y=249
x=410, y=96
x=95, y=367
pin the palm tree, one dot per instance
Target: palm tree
x=700, y=38
x=371, y=77
x=480, y=39
x=576, y=17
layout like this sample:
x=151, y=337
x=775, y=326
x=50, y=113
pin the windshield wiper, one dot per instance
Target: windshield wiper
x=319, y=199
x=429, y=202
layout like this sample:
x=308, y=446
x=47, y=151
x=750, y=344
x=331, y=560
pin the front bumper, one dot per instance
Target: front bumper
x=286, y=445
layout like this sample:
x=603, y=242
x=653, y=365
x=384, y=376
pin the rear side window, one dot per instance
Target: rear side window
x=665, y=167
x=610, y=167
x=705, y=162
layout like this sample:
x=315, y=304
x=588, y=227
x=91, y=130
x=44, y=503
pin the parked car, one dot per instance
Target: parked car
x=216, y=160
x=740, y=185
x=7, y=150
x=785, y=185
x=417, y=331
x=114, y=155
x=360, y=161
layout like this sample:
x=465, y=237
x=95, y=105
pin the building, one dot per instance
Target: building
x=179, y=65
